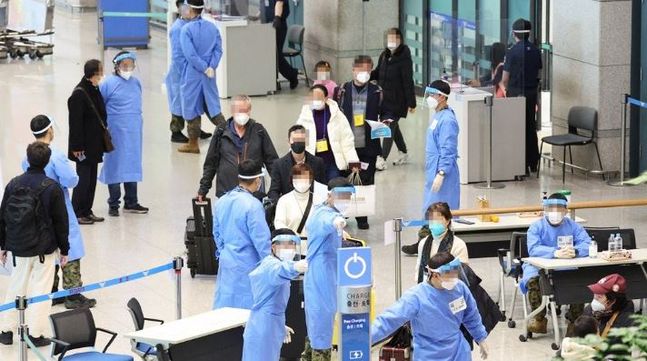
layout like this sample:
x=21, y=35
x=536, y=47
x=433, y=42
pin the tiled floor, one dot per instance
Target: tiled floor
x=136, y=242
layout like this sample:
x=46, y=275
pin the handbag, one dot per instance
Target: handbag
x=107, y=138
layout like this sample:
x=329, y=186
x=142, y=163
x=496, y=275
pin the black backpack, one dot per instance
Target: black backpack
x=28, y=231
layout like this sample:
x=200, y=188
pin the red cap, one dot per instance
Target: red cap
x=611, y=283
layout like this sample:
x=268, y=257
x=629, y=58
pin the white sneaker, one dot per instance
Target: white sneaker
x=402, y=159
x=380, y=163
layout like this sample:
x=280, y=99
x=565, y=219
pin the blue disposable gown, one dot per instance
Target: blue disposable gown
x=243, y=240
x=265, y=329
x=60, y=170
x=123, y=100
x=320, y=282
x=542, y=242
x=202, y=48
x=435, y=327
x=441, y=153
x=178, y=62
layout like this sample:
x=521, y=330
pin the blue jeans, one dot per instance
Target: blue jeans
x=331, y=171
x=130, y=198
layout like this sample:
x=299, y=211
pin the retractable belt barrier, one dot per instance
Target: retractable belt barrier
x=22, y=302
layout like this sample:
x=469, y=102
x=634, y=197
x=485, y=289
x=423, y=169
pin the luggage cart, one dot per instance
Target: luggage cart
x=19, y=44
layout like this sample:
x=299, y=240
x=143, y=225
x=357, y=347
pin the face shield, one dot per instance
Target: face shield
x=287, y=247
x=342, y=198
x=449, y=273
x=125, y=64
x=433, y=97
x=52, y=125
x=555, y=210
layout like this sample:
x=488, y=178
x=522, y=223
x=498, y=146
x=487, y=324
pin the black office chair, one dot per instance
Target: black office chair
x=143, y=350
x=295, y=47
x=579, y=119
x=76, y=329
x=518, y=250
x=601, y=236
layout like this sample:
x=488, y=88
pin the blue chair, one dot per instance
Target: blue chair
x=76, y=329
x=143, y=350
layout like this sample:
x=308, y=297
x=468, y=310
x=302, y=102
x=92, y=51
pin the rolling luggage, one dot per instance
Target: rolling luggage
x=398, y=348
x=394, y=354
x=198, y=239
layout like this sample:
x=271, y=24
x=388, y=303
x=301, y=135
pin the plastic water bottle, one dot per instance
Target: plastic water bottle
x=619, y=241
x=612, y=243
x=593, y=248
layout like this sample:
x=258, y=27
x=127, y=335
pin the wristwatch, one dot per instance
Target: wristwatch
x=441, y=173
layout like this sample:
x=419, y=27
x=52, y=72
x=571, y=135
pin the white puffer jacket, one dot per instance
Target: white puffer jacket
x=340, y=135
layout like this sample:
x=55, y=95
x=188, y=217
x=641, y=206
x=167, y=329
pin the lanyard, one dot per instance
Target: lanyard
x=609, y=324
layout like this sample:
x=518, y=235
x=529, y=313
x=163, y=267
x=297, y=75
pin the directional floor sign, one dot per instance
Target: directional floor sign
x=354, y=272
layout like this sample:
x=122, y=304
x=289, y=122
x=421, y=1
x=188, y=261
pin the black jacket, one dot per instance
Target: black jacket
x=374, y=111
x=86, y=132
x=394, y=73
x=488, y=309
x=53, y=202
x=623, y=320
x=282, y=174
x=224, y=156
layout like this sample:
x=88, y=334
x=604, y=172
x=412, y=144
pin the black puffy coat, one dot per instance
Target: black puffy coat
x=394, y=73
x=488, y=309
x=86, y=132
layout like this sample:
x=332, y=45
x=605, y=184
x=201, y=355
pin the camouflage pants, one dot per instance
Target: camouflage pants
x=177, y=123
x=193, y=126
x=71, y=275
x=534, y=298
x=315, y=355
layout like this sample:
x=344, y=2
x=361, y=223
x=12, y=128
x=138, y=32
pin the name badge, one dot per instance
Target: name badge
x=433, y=124
x=363, y=166
x=267, y=3
x=458, y=305
x=322, y=145
x=358, y=120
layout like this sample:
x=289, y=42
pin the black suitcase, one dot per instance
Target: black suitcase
x=295, y=318
x=198, y=239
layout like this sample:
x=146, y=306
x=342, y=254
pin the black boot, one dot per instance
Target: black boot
x=178, y=137
x=204, y=135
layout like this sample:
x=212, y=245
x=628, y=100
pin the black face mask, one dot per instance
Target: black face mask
x=298, y=147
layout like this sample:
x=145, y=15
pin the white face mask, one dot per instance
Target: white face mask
x=301, y=186
x=318, y=104
x=363, y=77
x=432, y=103
x=287, y=254
x=597, y=306
x=449, y=285
x=323, y=75
x=555, y=218
x=241, y=118
x=126, y=74
x=342, y=205
x=392, y=45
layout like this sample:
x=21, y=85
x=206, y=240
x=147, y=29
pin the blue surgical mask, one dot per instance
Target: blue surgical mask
x=437, y=229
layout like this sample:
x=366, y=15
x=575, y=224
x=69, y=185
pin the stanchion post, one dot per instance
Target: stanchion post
x=623, y=140
x=178, y=263
x=489, y=102
x=23, y=329
x=397, y=228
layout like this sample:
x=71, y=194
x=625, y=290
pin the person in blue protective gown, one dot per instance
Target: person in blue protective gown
x=202, y=47
x=266, y=329
x=60, y=170
x=242, y=238
x=325, y=228
x=174, y=76
x=442, y=180
x=122, y=94
x=436, y=309
x=553, y=236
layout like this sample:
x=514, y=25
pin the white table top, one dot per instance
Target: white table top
x=506, y=222
x=638, y=256
x=191, y=328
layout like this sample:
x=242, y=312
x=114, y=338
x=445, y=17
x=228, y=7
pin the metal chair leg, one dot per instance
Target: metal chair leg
x=305, y=70
x=502, y=293
x=525, y=306
x=514, y=301
x=570, y=156
x=599, y=160
x=564, y=167
x=541, y=149
x=553, y=313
